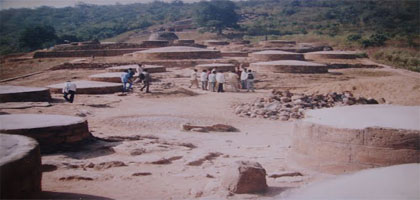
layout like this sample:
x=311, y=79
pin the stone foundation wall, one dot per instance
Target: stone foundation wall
x=335, y=150
x=33, y=96
x=106, y=79
x=234, y=54
x=68, y=47
x=21, y=175
x=271, y=57
x=288, y=69
x=85, y=53
x=218, y=68
x=52, y=139
x=179, y=55
x=311, y=56
x=150, y=70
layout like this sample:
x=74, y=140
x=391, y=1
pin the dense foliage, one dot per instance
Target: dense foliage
x=367, y=23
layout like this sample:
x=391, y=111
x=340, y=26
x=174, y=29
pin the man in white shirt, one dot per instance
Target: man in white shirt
x=244, y=76
x=212, y=81
x=220, y=78
x=204, y=80
x=69, y=89
x=193, y=79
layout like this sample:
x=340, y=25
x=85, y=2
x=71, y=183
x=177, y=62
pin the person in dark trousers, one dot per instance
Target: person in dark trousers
x=220, y=79
x=69, y=89
x=146, y=80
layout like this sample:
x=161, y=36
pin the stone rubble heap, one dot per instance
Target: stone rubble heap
x=284, y=105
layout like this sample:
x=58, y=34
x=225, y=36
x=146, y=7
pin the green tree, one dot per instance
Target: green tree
x=38, y=37
x=216, y=15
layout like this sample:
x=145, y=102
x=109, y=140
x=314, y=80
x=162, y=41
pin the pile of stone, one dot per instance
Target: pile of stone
x=284, y=105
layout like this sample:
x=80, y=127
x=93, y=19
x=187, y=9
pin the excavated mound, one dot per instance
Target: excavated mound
x=177, y=52
x=20, y=167
x=90, y=87
x=215, y=42
x=10, y=93
x=278, y=43
x=289, y=66
x=271, y=55
x=218, y=66
x=395, y=182
x=333, y=55
x=114, y=77
x=184, y=42
x=234, y=54
x=53, y=132
x=150, y=68
x=343, y=139
x=169, y=36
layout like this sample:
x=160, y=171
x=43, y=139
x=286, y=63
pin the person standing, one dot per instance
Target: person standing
x=250, y=81
x=220, y=78
x=139, y=70
x=244, y=76
x=212, y=81
x=193, y=79
x=146, y=81
x=204, y=80
x=69, y=89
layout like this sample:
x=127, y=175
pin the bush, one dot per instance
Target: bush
x=354, y=37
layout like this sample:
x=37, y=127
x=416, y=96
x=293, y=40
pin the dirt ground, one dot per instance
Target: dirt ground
x=151, y=162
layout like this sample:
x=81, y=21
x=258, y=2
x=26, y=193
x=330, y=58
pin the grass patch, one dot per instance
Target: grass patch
x=398, y=57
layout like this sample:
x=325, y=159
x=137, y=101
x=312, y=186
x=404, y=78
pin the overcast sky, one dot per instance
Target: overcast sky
x=6, y=4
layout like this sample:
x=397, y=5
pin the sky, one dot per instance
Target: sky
x=6, y=4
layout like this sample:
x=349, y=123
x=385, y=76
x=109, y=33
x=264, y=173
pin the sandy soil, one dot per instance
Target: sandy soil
x=151, y=123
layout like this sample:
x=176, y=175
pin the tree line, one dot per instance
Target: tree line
x=368, y=22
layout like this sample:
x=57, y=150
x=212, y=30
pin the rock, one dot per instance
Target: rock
x=107, y=165
x=142, y=174
x=136, y=152
x=285, y=99
x=245, y=177
x=202, y=130
x=381, y=101
x=76, y=177
x=165, y=161
x=199, y=161
x=372, y=101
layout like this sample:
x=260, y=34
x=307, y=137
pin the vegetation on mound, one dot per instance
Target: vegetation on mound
x=345, y=24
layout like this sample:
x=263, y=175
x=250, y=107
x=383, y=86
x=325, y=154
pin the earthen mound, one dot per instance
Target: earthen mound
x=271, y=55
x=334, y=55
x=169, y=36
x=53, y=132
x=289, y=66
x=10, y=93
x=90, y=87
x=20, y=167
x=177, y=52
x=342, y=139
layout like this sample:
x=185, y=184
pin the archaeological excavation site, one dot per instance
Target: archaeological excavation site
x=293, y=120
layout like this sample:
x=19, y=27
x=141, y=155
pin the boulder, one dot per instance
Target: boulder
x=245, y=177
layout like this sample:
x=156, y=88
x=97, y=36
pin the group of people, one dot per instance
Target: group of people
x=215, y=80
x=140, y=75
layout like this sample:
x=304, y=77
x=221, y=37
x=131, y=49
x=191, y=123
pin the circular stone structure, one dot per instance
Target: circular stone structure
x=215, y=42
x=271, y=55
x=278, y=43
x=289, y=66
x=53, y=132
x=334, y=55
x=9, y=93
x=90, y=87
x=184, y=42
x=177, y=52
x=150, y=68
x=349, y=138
x=394, y=182
x=168, y=36
x=114, y=77
x=225, y=67
x=20, y=167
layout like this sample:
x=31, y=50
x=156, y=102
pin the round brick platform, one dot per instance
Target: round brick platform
x=53, y=132
x=215, y=42
x=271, y=55
x=114, y=77
x=89, y=87
x=333, y=55
x=278, y=43
x=150, y=68
x=289, y=66
x=10, y=93
x=184, y=42
x=177, y=52
x=218, y=66
x=20, y=167
x=343, y=139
